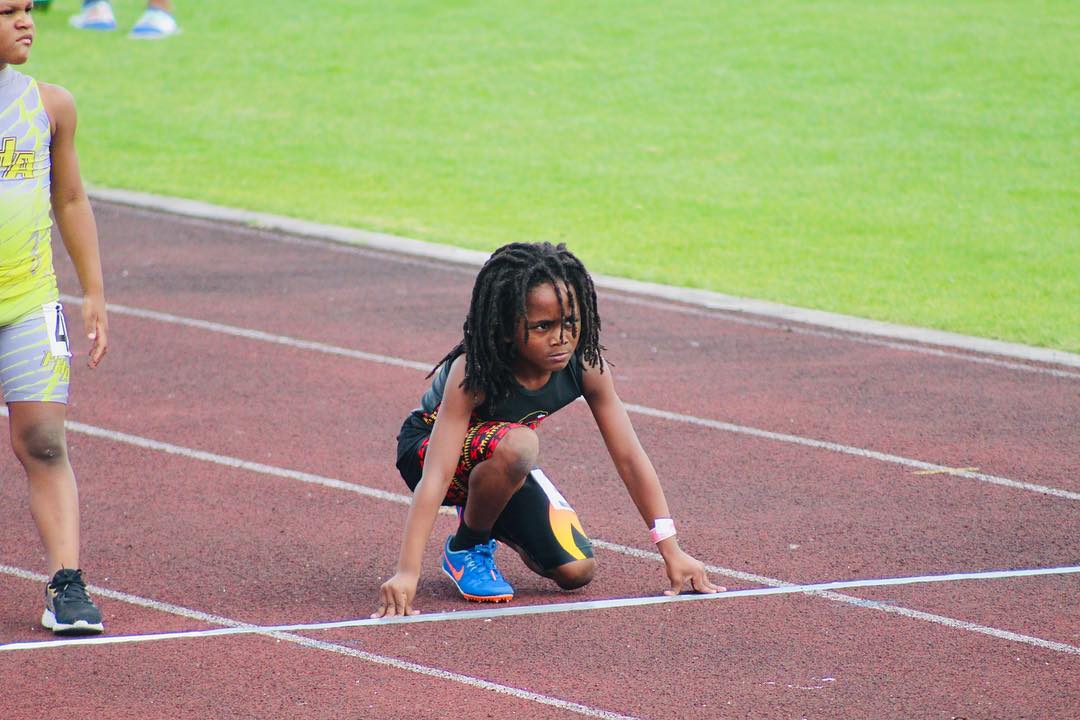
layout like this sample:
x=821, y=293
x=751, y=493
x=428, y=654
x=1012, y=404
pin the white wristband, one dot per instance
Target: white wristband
x=662, y=529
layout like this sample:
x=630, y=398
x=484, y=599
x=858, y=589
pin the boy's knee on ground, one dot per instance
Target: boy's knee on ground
x=518, y=451
x=41, y=443
x=576, y=574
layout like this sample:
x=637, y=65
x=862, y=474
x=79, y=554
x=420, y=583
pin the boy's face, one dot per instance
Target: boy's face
x=553, y=330
x=16, y=31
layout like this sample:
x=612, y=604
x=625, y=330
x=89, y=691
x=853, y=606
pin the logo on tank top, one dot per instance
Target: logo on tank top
x=533, y=419
x=14, y=164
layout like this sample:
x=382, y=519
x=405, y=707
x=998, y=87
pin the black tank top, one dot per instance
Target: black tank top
x=527, y=407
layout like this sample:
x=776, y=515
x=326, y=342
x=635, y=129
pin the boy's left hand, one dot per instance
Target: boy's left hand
x=97, y=327
x=682, y=568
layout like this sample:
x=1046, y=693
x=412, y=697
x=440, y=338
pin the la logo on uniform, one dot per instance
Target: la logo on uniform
x=15, y=165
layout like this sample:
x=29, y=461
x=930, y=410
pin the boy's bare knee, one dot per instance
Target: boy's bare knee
x=518, y=450
x=41, y=444
x=576, y=574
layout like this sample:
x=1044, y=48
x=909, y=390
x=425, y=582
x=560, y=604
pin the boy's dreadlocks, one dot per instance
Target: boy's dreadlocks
x=498, y=305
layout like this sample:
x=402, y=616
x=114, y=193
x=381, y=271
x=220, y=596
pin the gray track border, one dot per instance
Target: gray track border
x=689, y=296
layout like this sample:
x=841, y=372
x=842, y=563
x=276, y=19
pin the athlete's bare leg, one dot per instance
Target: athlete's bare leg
x=37, y=437
x=493, y=481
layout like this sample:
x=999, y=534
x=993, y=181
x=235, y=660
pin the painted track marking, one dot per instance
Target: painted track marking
x=339, y=649
x=733, y=317
x=559, y=607
x=402, y=499
x=261, y=336
x=625, y=296
x=286, y=229
x=856, y=451
x=856, y=601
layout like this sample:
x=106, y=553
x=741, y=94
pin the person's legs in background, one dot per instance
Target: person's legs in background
x=95, y=15
x=156, y=22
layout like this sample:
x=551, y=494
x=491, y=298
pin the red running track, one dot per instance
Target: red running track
x=213, y=544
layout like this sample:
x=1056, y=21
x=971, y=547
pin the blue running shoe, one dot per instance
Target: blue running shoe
x=474, y=573
x=96, y=15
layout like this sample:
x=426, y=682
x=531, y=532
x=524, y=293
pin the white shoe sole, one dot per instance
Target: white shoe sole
x=153, y=36
x=80, y=627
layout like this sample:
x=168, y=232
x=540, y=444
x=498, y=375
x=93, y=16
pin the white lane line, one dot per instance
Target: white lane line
x=850, y=450
x=258, y=335
x=639, y=409
x=866, y=604
x=898, y=344
x=402, y=499
x=237, y=626
x=401, y=247
x=620, y=295
x=566, y=607
x=237, y=463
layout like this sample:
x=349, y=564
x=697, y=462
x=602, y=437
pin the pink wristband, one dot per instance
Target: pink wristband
x=662, y=529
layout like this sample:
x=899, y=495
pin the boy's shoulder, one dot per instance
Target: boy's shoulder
x=55, y=93
x=59, y=104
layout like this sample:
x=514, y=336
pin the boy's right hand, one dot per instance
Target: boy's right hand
x=396, y=596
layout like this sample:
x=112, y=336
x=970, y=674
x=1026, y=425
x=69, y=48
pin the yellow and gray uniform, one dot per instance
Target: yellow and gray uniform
x=33, y=337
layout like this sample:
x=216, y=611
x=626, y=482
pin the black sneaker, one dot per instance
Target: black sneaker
x=68, y=609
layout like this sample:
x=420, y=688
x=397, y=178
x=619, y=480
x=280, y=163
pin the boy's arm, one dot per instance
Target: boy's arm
x=639, y=476
x=443, y=451
x=74, y=217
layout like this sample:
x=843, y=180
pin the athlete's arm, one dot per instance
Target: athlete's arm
x=74, y=217
x=637, y=473
x=443, y=451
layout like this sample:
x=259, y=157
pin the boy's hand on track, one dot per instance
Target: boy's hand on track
x=683, y=569
x=396, y=596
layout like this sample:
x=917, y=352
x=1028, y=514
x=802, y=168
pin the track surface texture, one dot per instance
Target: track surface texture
x=235, y=463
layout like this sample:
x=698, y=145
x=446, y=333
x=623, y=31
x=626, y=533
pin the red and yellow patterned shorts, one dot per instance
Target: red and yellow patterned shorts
x=480, y=443
x=536, y=521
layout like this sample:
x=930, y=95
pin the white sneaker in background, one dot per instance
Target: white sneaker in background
x=154, y=24
x=97, y=15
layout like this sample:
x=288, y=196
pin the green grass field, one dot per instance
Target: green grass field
x=915, y=162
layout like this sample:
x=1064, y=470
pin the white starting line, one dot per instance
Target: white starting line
x=549, y=608
x=334, y=483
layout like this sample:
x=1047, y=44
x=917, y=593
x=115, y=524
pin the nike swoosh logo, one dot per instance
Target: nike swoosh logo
x=457, y=573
